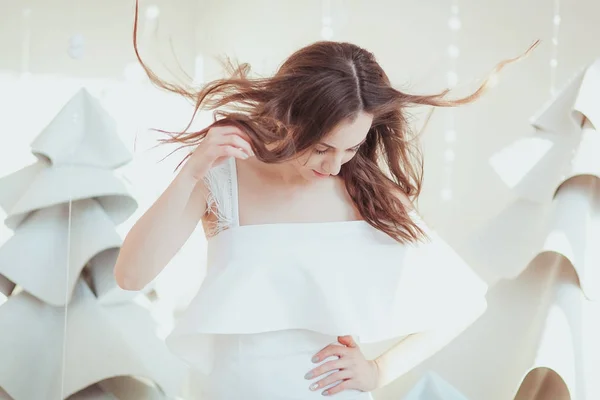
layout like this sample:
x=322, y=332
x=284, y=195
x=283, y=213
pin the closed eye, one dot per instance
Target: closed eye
x=352, y=150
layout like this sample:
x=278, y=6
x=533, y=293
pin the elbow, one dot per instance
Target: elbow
x=126, y=283
x=124, y=280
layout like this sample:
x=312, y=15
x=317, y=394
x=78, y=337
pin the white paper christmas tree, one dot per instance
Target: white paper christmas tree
x=554, y=224
x=66, y=329
x=552, y=173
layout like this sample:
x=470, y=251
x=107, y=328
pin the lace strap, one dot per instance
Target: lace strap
x=222, y=202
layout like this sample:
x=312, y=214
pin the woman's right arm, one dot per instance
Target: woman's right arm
x=165, y=227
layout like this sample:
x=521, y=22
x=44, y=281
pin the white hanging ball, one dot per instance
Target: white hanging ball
x=454, y=23
x=556, y=20
x=327, y=32
x=450, y=135
x=76, y=46
x=449, y=155
x=453, y=51
x=553, y=63
x=152, y=12
x=446, y=194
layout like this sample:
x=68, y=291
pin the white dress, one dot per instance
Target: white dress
x=276, y=294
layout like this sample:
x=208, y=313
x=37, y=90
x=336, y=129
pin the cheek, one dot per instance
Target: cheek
x=348, y=157
x=306, y=162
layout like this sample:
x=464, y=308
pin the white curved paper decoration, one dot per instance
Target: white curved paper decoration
x=6, y=285
x=520, y=229
x=559, y=330
x=574, y=229
x=565, y=147
x=122, y=387
x=93, y=392
x=568, y=156
x=564, y=114
x=557, y=116
x=584, y=159
x=534, y=166
x=130, y=388
x=569, y=226
x=4, y=395
x=41, y=185
x=562, y=145
x=43, y=272
x=82, y=133
x=103, y=342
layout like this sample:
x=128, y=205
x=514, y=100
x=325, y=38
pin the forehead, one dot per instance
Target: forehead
x=349, y=133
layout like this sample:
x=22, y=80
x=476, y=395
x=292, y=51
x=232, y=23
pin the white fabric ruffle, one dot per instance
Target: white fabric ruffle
x=336, y=278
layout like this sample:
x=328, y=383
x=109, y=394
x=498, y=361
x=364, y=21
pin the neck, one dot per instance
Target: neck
x=284, y=173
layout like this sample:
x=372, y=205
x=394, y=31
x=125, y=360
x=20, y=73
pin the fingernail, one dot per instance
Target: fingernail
x=314, y=386
x=315, y=359
x=244, y=156
x=325, y=393
x=308, y=375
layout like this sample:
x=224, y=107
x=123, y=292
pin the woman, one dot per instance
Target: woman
x=305, y=185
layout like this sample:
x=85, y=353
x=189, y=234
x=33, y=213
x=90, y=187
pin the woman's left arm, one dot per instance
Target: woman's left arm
x=354, y=371
x=411, y=351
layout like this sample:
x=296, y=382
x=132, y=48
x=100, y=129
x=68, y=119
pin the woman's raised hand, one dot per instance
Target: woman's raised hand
x=220, y=143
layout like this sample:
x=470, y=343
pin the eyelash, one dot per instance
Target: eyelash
x=325, y=151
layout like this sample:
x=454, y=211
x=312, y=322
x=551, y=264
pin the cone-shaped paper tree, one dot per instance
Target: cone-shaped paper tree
x=66, y=329
x=553, y=225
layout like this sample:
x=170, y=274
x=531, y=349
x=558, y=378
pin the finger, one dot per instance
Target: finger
x=236, y=141
x=345, y=385
x=347, y=341
x=239, y=132
x=331, y=350
x=332, y=378
x=223, y=130
x=329, y=366
x=226, y=130
x=230, y=151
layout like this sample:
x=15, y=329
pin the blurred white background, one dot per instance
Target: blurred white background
x=50, y=49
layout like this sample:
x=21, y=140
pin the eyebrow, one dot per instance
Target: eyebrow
x=333, y=147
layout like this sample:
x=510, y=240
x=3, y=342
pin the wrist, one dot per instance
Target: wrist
x=189, y=175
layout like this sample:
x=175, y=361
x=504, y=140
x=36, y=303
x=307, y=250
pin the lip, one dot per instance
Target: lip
x=320, y=175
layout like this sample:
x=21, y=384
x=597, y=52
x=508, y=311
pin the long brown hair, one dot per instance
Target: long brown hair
x=315, y=89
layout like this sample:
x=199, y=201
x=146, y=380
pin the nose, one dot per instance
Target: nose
x=333, y=166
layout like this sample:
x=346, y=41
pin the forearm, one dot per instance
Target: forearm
x=411, y=351
x=158, y=234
